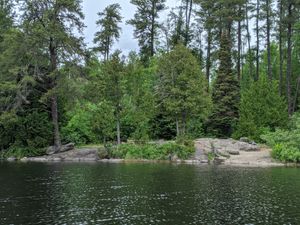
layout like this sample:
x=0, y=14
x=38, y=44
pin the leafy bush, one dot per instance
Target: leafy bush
x=30, y=130
x=285, y=153
x=90, y=123
x=285, y=143
x=20, y=153
x=153, y=151
x=261, y=109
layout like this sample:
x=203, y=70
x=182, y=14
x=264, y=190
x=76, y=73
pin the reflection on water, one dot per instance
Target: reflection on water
x=147, y=194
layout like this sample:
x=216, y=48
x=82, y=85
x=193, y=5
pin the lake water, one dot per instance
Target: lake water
x=94, y=193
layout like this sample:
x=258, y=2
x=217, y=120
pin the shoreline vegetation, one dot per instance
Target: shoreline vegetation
x=193, y=76
x=204, y=151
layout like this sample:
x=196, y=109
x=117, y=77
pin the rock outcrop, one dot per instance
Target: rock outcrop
x=223, y=148
x=64, y=148
x=72, y=156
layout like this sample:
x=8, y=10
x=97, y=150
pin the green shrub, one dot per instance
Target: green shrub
x=285, y=153
x=153, y=151
x=20, y=153
x=28, y=130
x=285, y=143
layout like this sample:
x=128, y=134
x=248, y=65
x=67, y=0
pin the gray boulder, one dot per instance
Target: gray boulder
x=11, y=159
x=64, y=148
x=103, y=153
x=223, y=147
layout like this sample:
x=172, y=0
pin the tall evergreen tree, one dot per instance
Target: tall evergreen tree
x=257, y=30
x=146, y=24
x=225, y=94
x=206, y=15
x=110, y=29
x=51, y=23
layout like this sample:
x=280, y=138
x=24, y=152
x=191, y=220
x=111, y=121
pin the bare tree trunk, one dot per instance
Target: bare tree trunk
x=152, y=28
x=54, y=114
x=118, y=132
x=270, y=75
x=188, y=14
x=280, y=49
x=239, y=47
x=208, y=56
x=249, y=41
x=296, y=95
x=177, y=128
x=54, y=107
x=257, y=40
x=289, y=60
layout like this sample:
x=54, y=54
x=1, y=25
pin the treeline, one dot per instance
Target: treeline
x=211, y=68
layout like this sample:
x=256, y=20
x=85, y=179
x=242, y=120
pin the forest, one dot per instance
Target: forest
x=211, y=68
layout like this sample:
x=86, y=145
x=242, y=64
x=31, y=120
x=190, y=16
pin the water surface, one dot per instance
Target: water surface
x=94, y=193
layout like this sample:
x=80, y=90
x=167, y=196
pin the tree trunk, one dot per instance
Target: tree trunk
x=239, y=47
x=177, y=128
x=280, y=49
x=249, y=42
x=296, y=95
x=208, y=56
x=118, y=132
x=188, y=14
x=257, y=40
x=152, y=28
x=289, y=60
x=54, y=107
x=56, y=134
x=270, y=76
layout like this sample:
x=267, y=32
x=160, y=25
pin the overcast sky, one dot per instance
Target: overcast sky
x=126, y=42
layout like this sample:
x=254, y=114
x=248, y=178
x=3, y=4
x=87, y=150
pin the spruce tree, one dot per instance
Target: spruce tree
x=225, y=94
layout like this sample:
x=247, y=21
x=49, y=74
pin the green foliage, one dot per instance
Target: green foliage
x=286, y=153
x=261, y=108
x=30, y=130
x=146, y=25
x=79, y=127
x=225, y=95
x=182, y=87
x=110, y=30
x=90, y=123
x=21, y=152
x=285, y=143
x=153, y=151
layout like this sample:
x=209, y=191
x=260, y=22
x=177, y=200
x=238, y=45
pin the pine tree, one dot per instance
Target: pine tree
x=51, y=23
x=206, y=15
x=146, y=24
x=267, y=15
x=225, y=94
x=110, y=30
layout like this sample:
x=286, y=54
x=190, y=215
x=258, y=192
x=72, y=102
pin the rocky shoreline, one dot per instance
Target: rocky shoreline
x=207, y=151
